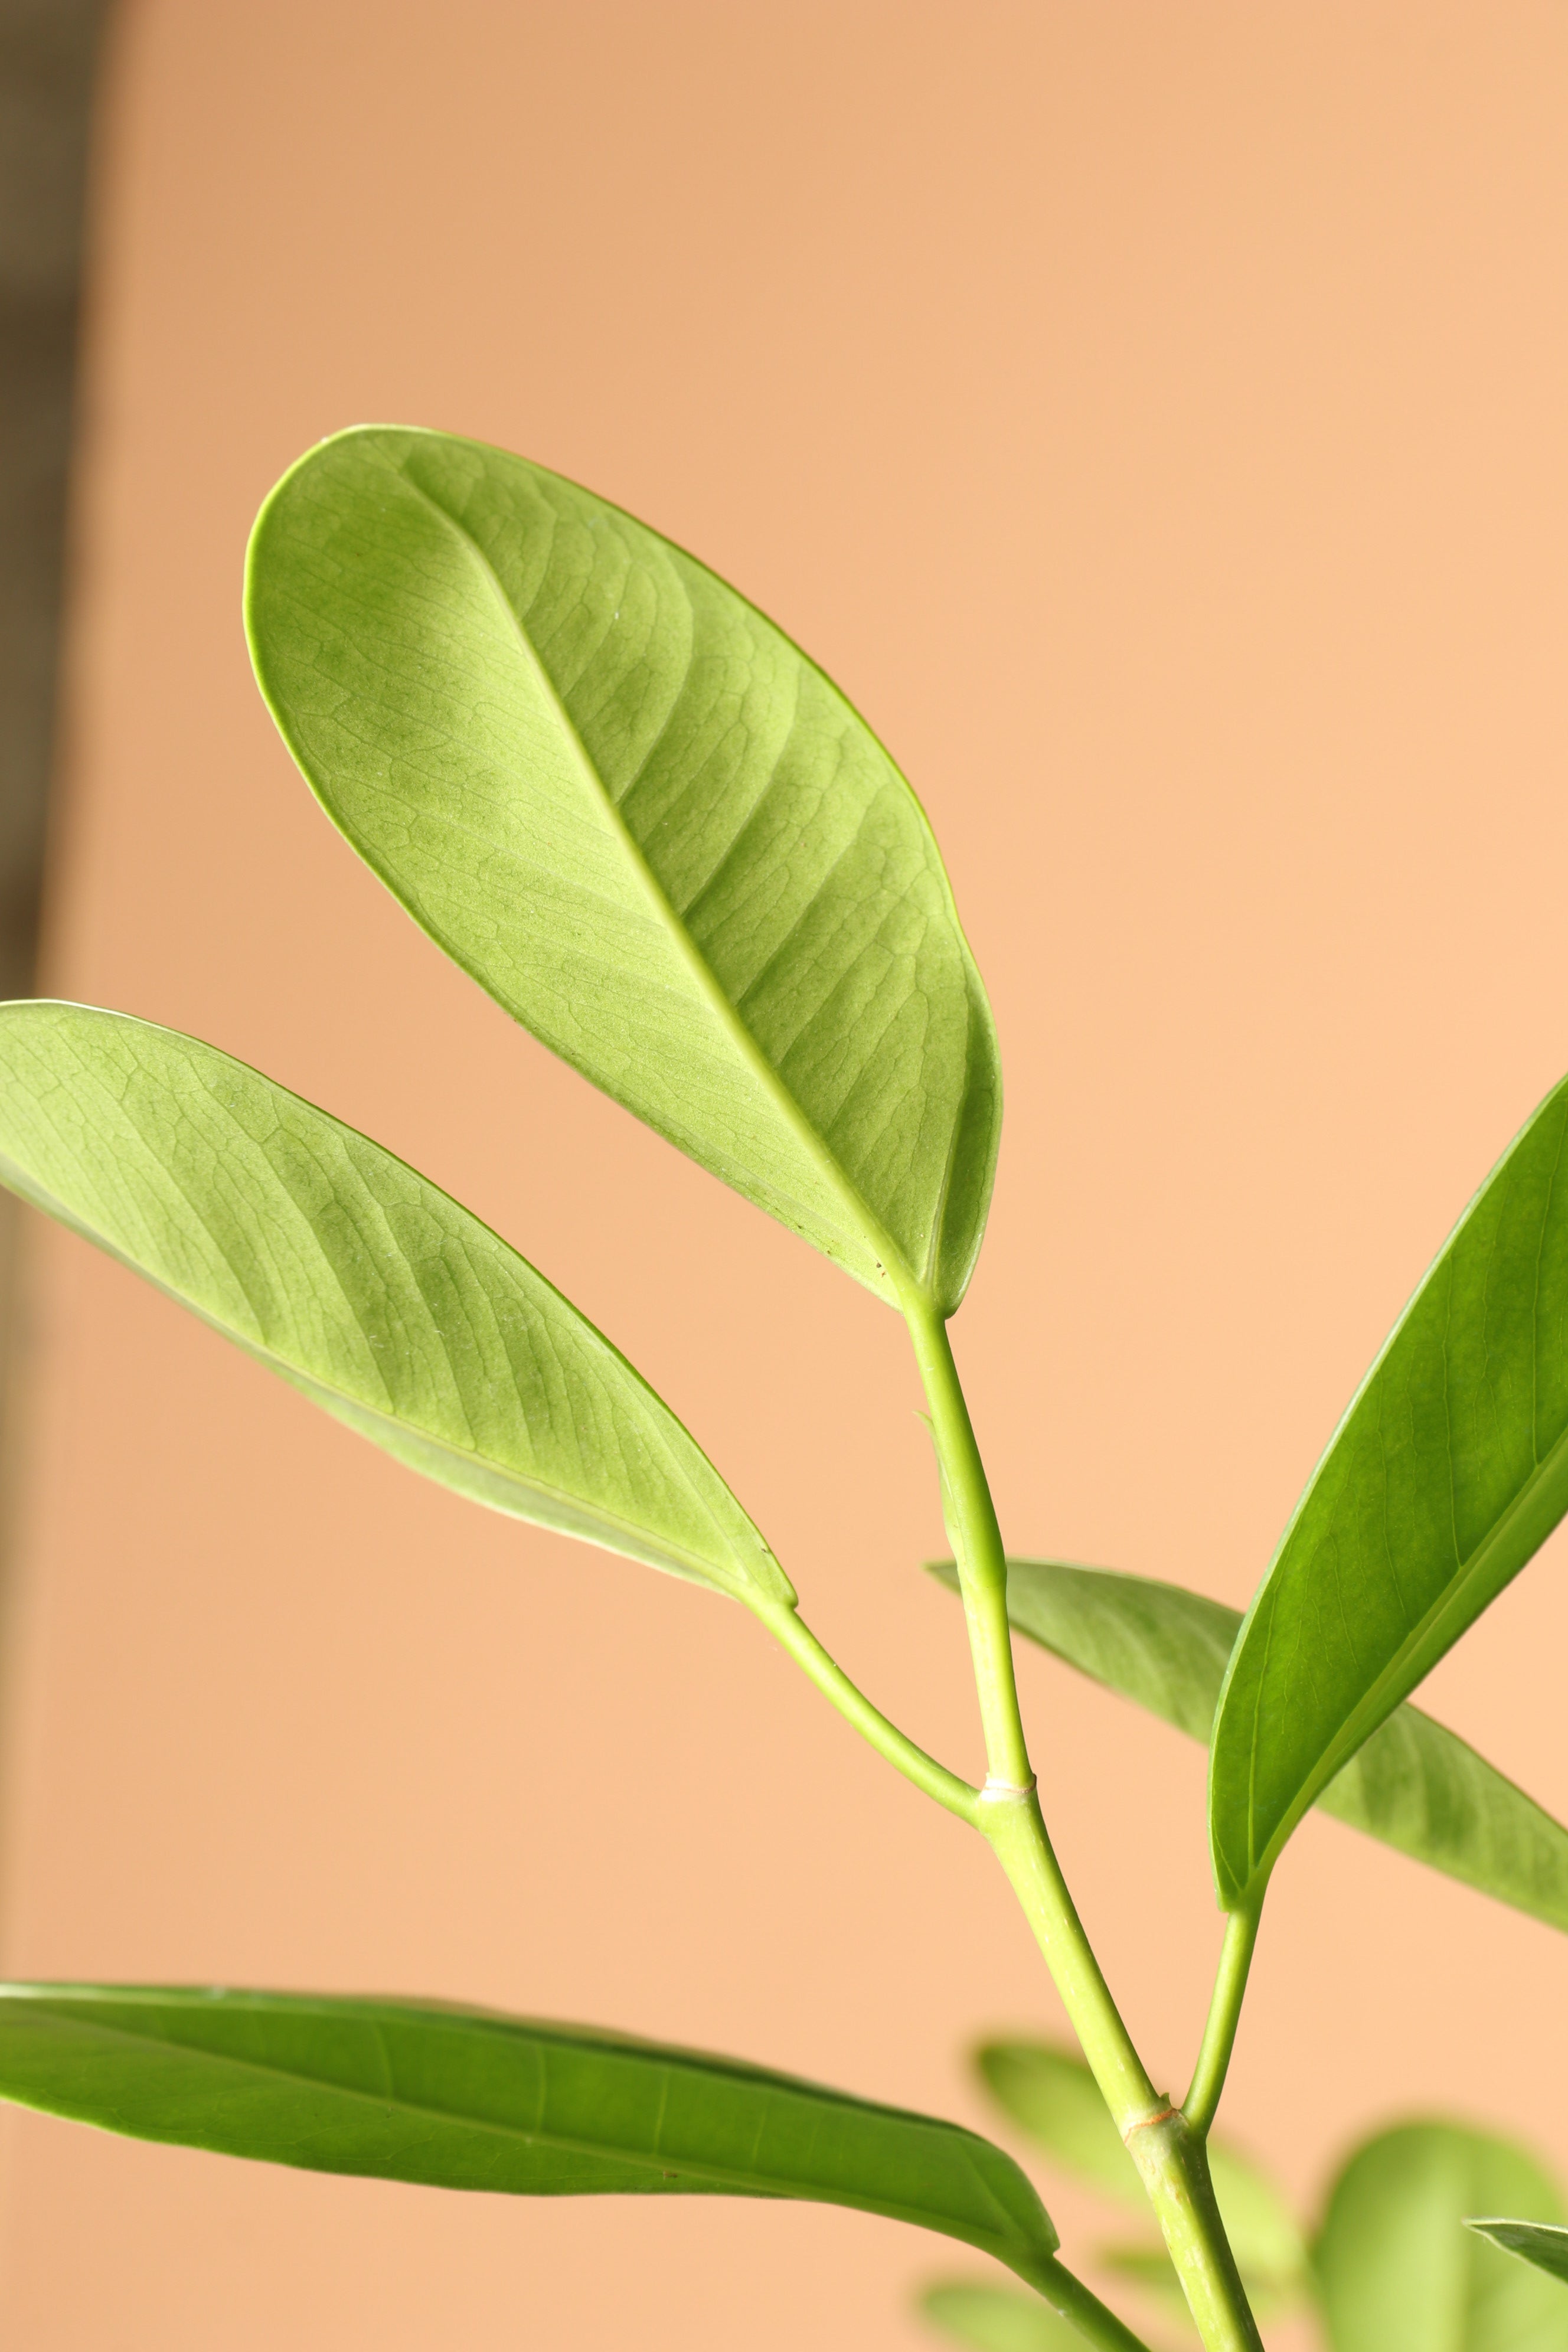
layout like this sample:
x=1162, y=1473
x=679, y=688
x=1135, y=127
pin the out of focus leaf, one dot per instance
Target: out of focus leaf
x=1050, y=2094
x=1400, y=2272
x=998, y=2319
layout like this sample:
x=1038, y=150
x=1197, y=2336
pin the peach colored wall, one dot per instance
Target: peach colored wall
x=1153, y=414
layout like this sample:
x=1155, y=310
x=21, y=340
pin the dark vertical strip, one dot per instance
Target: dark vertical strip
x=49, y=52
x=47, y=49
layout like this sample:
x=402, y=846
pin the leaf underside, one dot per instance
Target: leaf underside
x=1542, y=2244
x=1448, y=1471
x=362, y=1283
x=1414, y=1786
x=641, y=818
x=1397, y=2271
x=460, y=2098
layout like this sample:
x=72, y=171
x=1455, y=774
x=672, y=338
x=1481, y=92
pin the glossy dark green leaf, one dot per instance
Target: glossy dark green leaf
x=1399, y=2271
x=1544, y=2243
x=1050, y=2094
x=462, y=2098
x=1448, y=1471
x=642, y=820
x=367, y=1288
x=997, y=2319
x=1413, y=1785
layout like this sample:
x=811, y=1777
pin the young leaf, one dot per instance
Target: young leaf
x=1051, y=2095
x=461, y=2098
x=1545, y=2243
x=646, y=825
x=1449, y=1469
x=370, y=1290
x=997, y=2319
x=1398, y=2272
x=1413, y=1785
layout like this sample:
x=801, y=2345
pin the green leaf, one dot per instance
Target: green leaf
x=997, y=2319
x=1413, y=1785
x=1545, y=2243
x=1051, y=2095
x=1448, y=1471
x=462, y=2098
x=370, y=1290
x=1398, y=2272
x=642, y=820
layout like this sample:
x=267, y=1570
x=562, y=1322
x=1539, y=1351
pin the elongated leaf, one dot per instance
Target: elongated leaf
x=1414, y=1786
x=1051, y=2095
x=1545, y=2243
x=646, y=825
x=1448, y=1471
x=362, y=1283
x=462, y=2098
x=1398, y=2271
x=997, y=2319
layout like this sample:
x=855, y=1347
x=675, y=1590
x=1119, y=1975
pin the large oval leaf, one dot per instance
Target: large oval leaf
x=462, y=2098
x=1398, y=2271
x=1414, y=1786
x=1448, y=1471
x=646, y=825
x=1544, y=2243
x=362, y=1283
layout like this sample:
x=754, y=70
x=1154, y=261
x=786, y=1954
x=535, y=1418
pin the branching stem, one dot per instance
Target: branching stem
x=1169, y=2155
x=791, y=1631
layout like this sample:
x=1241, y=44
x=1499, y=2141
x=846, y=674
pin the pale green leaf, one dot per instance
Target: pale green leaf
x=1446, y=1474
x=997, y=2319
x=1545, y=2243
x=1272, y=2293
x=1399, y=2272
x=1051, y=2095
x=646, y=825
x=1413, y=1785
x=370, y=1290
x=461, y=2098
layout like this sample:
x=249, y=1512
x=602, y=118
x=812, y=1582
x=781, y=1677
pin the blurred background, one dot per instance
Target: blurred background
x=1153, y=417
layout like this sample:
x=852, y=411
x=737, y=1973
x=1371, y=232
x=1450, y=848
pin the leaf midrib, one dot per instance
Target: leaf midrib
x=1349, y=1737
x=704, y=1570
x=872, y=1231
x=919, y=2215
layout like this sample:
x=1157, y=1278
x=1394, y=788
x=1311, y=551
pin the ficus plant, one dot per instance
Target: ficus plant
x=651, y=829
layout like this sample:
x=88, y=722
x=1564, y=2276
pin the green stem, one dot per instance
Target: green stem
x=1202, y=2102
x=977, y=1543
x=1084, y=2310
x=1170, y=2156
x=790, y=1629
